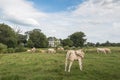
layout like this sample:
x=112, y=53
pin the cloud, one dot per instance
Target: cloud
x=101, y=17
x=98, y=19
x=20, y=12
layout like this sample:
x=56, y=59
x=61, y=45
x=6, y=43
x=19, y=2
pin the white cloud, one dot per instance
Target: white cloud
x=98, y=19
x=100, y=16
x=20, y=12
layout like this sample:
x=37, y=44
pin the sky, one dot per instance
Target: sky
x=98, y=19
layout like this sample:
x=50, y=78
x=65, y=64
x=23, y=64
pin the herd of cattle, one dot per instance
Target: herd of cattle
x=72, y=55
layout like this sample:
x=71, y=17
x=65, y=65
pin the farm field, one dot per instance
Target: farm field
x=43, y=66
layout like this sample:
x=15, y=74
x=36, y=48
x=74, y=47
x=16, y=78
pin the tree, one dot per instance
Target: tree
x=22, y=39
x=97, y=44
x=78, y=39
x=90, y=44
x=3, y=48
x=107, y=43
x=30, y=44
x=67, y=42
x=8, y=36
x=38, y=38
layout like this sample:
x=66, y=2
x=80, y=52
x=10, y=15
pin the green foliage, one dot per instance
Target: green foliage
x=67, y=47
x=3, y=48
x=22, y=39
x=38, y=38
x=108, y=44
x=97, y=44
x=7, y=36
x=10, y=50
x=78, y=39
x=20, y=48
x=30, y=44
x=67, y=42
x=11, y=42
x=90, y=44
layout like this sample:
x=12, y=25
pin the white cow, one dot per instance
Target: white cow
x=103, y=50
x=107, y=50
x=28, y=50
x=60, y=48
x=51, y=50
x=31, y=50
x=74, y=55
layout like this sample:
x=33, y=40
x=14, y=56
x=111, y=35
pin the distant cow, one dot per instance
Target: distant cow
x=42, y=51
x=60, y=49
x=107, y=50
x=74, y=55
x=31, y=50
x=28, y=50
x=103, y=50
x=51, y=50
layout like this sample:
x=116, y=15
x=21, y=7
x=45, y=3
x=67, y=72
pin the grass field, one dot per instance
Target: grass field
x=39, y=66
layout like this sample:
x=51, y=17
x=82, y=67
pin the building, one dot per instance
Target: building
x=53, y=42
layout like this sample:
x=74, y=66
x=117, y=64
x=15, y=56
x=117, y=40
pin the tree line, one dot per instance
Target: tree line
x=13, y=40
x=98, y=44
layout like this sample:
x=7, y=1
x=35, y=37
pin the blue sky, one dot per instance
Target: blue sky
x=55, y=5
x=98, y=19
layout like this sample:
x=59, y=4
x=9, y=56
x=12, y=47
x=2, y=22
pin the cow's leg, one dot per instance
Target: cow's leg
x=97, y=51
x=80, y=63
x=71, y=62
x=105, y=52
x=66, y=62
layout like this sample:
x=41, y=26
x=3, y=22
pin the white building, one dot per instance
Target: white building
x=53, y=42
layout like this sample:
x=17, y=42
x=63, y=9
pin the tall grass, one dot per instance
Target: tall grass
x=43, y=66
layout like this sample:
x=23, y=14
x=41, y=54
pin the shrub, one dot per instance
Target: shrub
x=20, y=49
x=3, y=48
x=10, y=50
x=66, y=47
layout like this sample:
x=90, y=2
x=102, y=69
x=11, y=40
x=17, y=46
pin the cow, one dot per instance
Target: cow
x=60, y=49
x=73, y=55
x=103, y=50
x=51, y=50
x=107, y=50
x=32, y=50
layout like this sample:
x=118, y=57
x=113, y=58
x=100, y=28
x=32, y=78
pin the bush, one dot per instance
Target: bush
x=20, y=49
x=3, y=48
x=66, y=47
x=10, y=50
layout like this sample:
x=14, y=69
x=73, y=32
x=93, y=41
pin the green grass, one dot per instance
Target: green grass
x=39, y=66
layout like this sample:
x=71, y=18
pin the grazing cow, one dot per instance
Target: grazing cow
x=103, y=50
x=42, y=51
x=31, y=50
x=51, y=50
x=107, y=50
x=28, y=50
x=74, y=55
x=60, y=48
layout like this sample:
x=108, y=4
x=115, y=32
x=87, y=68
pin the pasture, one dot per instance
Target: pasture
x=44, y=66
